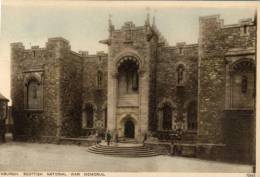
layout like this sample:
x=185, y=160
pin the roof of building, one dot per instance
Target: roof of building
x=3, y=98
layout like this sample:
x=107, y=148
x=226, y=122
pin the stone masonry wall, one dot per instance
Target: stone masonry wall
x=71, y=93
x=216, y=41
x=97, y=96
x=167, y=87
x=211, y=80
x=42, y=122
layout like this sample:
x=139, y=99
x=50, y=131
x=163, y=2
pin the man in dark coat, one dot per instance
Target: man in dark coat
x=109, y=136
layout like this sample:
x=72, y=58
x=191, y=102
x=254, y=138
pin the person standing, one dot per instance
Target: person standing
x=97, y=138
x=109, y=136
x=145, y=138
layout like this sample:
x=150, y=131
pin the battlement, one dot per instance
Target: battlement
x=128, y=25
x=58, y=42
x=101, y=53
x=60, y=39
x=35, y=47
x=83, y=53
x=182, y=45
x=217, y=19
x=17, y=45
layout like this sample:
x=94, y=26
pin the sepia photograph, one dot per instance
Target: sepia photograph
x=88, y=86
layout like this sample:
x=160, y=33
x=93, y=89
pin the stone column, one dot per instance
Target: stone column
x=144, y=102
x=112, y=101
x=228, y=88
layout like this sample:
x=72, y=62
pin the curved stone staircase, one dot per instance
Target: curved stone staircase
x=123, y=150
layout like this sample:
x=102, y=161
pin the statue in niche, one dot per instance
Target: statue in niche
x=180, y=72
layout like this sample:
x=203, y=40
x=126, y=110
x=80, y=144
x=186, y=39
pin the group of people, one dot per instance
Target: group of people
x=108, y=138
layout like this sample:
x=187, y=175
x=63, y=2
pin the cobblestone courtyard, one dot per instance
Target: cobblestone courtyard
x=42, y=157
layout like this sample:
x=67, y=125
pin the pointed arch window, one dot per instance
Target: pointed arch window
x=241, y=89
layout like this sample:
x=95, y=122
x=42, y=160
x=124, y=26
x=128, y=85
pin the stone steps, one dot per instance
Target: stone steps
x=123, y=151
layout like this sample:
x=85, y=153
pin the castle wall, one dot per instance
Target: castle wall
x=92, y=93
x=31, y=123
x=68, y=82
x=71, y=93
x=167, y=87
x=219, y=48
x=59, y=72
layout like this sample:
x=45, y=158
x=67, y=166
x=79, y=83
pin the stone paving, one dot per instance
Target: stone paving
x=52, y=157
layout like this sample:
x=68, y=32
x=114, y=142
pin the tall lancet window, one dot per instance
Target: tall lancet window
x=99, y=79
x=244, y=84
x=128, y=81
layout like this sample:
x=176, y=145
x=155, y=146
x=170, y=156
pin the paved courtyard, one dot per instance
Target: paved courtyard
x=43, y=157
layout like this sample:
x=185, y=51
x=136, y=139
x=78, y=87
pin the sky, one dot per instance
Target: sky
x=85, y=23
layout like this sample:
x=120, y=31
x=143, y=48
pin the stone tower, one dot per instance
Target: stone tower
x=130, y=50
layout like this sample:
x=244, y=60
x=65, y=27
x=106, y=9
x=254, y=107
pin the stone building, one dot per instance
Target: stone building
x=143, y=85
x=3, y=116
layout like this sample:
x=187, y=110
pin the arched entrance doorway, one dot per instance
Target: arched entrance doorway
x=129, y=129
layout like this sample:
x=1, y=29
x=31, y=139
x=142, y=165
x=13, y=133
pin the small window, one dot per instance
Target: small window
x=245, y=29
x=180, y=50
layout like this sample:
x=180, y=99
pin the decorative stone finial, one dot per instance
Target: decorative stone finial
x=110, y=25
x=147, y=21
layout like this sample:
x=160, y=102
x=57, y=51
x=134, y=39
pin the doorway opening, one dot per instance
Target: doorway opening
x=129, y=129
